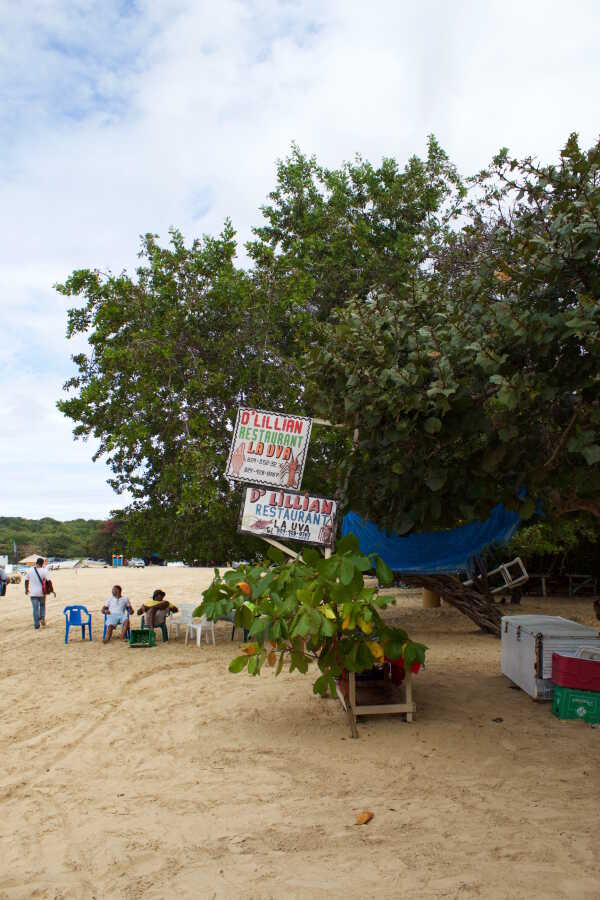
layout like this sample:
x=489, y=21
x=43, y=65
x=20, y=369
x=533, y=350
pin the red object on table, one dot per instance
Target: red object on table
x=576, y=672
x=397, y=669
x=397, y=673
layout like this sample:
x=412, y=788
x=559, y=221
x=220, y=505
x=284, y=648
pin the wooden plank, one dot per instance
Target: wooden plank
x=352, y=690
x=408, y=694
x=385, y=709
x=279, y=546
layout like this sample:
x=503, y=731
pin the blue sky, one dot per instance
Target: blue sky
x=118, y=118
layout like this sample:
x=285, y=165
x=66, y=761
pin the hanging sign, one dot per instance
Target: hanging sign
x=308, y=518
x=269, y=448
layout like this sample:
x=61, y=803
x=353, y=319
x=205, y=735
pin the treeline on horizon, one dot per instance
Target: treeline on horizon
x=73, y=539
x=452, y=324
x=97, y=539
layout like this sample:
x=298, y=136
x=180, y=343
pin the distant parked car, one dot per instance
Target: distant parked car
x=239, y=562
x=137, y=563
x=179, y=563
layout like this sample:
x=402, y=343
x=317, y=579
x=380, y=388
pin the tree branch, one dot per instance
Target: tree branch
x=562, y=441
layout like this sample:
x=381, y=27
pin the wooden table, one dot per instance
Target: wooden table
x=585, y=581
x=377, y=698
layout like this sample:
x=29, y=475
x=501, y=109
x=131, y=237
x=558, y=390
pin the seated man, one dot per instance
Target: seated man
x=118, y=609
x=150, y=608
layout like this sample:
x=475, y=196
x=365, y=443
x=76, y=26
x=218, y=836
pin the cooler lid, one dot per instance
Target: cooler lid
x=552, y=626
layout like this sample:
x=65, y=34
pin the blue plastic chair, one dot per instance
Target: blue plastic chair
x=74, y=615
x=106, y=625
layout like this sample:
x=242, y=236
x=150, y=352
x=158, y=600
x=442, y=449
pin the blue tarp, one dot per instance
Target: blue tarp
x=435, y=551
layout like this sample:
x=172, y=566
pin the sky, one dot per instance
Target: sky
x=122, y=117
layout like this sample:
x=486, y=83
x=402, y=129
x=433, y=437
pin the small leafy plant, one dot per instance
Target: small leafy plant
x=311, y=610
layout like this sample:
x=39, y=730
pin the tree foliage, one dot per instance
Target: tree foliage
x=333, y=235
x=478, y=380
x=172, y=352
x=75, y=539
x=459, y=331
x=561, y=545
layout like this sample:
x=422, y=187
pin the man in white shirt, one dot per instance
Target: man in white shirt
x=117, y=609
x=34, y=586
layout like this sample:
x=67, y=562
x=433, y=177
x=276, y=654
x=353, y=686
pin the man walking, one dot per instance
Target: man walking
x=34, y=586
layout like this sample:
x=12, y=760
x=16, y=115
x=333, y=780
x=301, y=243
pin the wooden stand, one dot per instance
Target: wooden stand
x=377, y=698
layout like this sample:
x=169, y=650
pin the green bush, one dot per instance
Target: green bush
x=311, y=610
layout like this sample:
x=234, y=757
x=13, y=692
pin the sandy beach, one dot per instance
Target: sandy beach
x=155, y=773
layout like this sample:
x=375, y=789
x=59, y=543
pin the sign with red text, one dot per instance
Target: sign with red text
x=269, y=448
x=308, y=518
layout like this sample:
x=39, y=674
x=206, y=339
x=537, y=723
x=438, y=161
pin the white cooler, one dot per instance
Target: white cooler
x=528, y=643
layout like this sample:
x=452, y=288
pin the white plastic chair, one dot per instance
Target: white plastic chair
x=197, y=626
x=185, y=617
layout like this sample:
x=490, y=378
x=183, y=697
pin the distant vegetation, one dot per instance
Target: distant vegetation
x=78, y=538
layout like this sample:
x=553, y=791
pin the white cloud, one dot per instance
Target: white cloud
x=125, y=117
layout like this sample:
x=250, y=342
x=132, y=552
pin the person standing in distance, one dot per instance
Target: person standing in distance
x=34, y=587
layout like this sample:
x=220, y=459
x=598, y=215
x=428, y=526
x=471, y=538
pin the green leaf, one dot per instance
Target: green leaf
x=362, y=563
x=346, y=571
x=385, y=576
x=263, y=585
x=277, y=556
x=303, y=626
x=246, y=615
x=433, y=425
x=527, y=509
x=311, y=556
x=592, y=454
x=348, y=543
x=393, y=648
x=321, y=685
x=258, y=627
x=436, y=481
x=327, y=567
x=328, y=627
x=237, y=664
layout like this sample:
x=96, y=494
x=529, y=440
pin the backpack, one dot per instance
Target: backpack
x=46, y=584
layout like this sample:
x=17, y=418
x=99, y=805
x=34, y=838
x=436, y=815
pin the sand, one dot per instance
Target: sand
x=155, y=773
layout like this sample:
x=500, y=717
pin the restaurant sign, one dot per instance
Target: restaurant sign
x=269, y=448
x=308, y=518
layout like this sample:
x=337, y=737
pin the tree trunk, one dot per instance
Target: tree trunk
x=480, y=608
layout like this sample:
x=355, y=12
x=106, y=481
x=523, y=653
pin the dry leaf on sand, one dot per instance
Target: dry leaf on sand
x=364, y=817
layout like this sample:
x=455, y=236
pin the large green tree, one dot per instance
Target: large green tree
x=458, y=333
x=175, y=349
